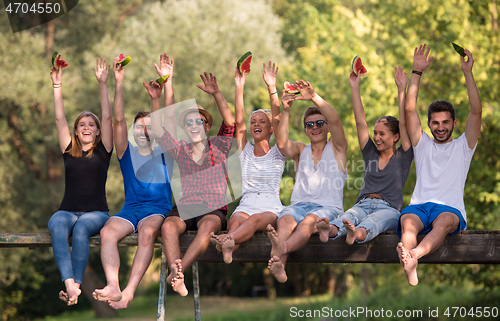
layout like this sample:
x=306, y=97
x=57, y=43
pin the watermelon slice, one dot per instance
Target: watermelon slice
x=357, y=66
x=244, y=62
x=57, y=62
x=291, y=89
x=162, y=79
x=459, y=49
x=122, y=60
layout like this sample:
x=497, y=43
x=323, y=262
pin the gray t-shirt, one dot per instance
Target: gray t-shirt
x=388, y=182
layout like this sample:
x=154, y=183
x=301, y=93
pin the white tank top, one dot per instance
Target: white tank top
x=322, y=184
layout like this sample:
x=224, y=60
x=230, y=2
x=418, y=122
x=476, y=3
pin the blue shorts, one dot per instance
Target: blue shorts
x=428, y=212
x=134, y=215
x=301, y=210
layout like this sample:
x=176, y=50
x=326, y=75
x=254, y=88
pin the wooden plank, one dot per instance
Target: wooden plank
x=465, y=247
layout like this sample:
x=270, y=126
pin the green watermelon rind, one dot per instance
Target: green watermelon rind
x=459, y=49
x=162, y=79
x=354, y=61
x=125, y=61
x=246, y=55
x=54, y=57
x=296, y=91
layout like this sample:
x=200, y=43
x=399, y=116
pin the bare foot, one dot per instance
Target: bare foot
x=72, y=292
x=277, y=247
x=410, y=268
x=323, y=226
x=108, y=293
x=124, y=302
x=174, y=269
x=227, y=248
x=277, y=269
x=402, y=254
x=178, y=284
x=216, y=240
x=351, y=231
x=63, y=296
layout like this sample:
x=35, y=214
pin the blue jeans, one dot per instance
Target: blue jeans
x=80, y=225
x=299, y=211
x=373, y=214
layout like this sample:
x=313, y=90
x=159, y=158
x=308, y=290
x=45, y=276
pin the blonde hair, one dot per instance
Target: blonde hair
x=265, y=112
x=76, y=145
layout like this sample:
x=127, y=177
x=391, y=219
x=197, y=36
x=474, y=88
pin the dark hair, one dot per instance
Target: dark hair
x=439, y=106
x=141, y=114
x=391, y=122
x=313, y=110
x=76, y=145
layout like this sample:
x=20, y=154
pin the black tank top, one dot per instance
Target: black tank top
x=85, y=181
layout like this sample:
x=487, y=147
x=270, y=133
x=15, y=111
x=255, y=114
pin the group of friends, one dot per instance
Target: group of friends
x=436, y=207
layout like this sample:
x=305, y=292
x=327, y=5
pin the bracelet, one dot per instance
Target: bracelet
x=270, y=94
x=416, y=72
x=57, y=85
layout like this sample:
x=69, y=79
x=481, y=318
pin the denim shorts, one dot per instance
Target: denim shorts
x=300, y=210
x=428, y=212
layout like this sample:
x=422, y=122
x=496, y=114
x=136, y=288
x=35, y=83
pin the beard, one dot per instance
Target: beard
x=443, y=140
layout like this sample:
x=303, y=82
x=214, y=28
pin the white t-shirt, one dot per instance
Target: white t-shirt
x=441, y=172
x=261, y=174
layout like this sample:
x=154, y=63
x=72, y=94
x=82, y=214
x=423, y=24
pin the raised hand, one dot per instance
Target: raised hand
x=56, y=75
x=400, y=78
x=354, y=79
x=118, y=71
x=101, y=71
x=154, y=89
x=421, y=59
x=306, y=90
x=270, y=74
x=287, y=100
x=239, y=79
x=467, y=65
x=166, y=66
x=210, y=82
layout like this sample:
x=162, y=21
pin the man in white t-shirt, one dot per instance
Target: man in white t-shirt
x=437, y=205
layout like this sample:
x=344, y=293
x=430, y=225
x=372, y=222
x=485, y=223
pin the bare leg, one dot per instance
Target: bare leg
x=245, y=230
x=148, y=230
x=326, y=230
x=171, y=230
x=113, y=231
x=411, y=225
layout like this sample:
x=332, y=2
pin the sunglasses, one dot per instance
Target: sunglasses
x=198, y=122
x=310, y=124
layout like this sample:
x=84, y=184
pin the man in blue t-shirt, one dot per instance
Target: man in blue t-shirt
x=148, y=198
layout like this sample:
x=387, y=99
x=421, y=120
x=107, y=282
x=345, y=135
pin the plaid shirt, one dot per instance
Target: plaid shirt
x=206, y=182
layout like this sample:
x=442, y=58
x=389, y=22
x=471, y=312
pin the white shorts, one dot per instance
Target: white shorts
x=254, y=203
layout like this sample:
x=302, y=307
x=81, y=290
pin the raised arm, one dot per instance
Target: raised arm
x=359, y=111
x=101, y=73
x=421, y=61
x=120, y=127
x=154, y=90
x=473, y=124
x=211, y=87
x=167, y=68
x=401, y=80
x=63, y=133
x=239, y=109
x=269, y=76
x=287, y=147
x=337, y=138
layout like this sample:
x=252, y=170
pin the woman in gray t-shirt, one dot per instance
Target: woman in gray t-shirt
x=380, y=200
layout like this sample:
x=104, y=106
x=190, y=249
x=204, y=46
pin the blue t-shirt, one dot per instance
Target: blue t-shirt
x=146, y=179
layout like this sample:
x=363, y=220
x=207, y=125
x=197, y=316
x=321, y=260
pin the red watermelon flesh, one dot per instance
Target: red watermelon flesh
x=357, y=66
x=243, y=63
x=60, y=63
x=123, y=60
x=290, y=88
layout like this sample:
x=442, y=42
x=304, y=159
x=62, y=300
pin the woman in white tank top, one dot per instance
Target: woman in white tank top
x=261, y=166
